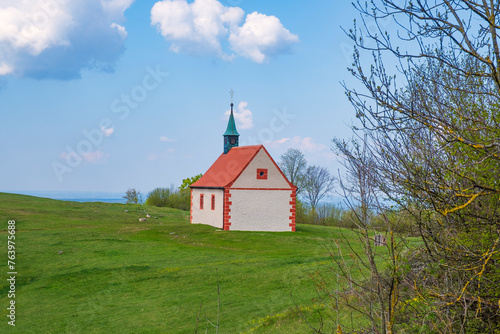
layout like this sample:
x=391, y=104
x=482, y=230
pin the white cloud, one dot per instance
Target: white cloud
x=168, y=140
x=95, y=156
x=115, y=8
x=204, y=26
x=316, y=153
x=91, y=157
x=34, y=26
x=59, y=38
x=282, y=140
x=107, y=132
x=260, y=37
x=243, y=116
x=195, y=28
x=5, y=69
x=305, y=144
x=121, y=29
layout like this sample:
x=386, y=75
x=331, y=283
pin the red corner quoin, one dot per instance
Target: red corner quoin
x=293, y=196
x=227, y=210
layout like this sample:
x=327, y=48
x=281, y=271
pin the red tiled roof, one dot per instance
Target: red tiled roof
x=227, y=167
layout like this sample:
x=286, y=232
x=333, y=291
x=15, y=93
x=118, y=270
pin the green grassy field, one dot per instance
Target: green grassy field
x=92, y=268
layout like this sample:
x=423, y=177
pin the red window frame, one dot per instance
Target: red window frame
x=261, y=173
x=213, y=202
x=201, y=201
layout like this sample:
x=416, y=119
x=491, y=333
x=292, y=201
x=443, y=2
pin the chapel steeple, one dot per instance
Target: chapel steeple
x=231, y=136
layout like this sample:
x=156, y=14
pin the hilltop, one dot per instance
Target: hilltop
x=94, y=268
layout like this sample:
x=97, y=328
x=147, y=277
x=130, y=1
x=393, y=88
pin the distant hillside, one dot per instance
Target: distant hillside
x=78, y=196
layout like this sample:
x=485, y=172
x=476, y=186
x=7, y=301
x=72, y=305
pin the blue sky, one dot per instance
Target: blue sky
x=110, y=95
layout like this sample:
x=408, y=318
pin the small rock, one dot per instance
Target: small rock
x=148, y=216
x=156, y=217
x=172, y=233
x=143, y=219
x=60, y=252
x=126, y=211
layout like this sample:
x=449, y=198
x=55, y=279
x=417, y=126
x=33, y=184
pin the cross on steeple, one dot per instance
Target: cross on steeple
x=231, y=136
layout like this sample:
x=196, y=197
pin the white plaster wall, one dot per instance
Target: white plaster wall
x=260, y=210
x=207, y=215
x=248, y=178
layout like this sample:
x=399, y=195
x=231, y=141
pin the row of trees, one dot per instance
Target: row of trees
x=428, y=148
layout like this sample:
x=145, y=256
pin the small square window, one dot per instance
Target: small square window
x=261, y=174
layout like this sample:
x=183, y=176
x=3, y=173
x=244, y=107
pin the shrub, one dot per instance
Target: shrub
x=301, y=213
x=180, y=199
x=170, y=197
x=159, y=197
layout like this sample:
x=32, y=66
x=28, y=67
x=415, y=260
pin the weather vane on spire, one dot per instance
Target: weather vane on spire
x=232, y=93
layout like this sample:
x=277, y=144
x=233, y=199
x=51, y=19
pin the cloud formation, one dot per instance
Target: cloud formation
x=305, y=144
x=95, y=156
x=316, y=153
x=107, y=131
x=204, y=26
x=91, y=157
x=242, y=115
x=59, y=38
x=260, y=37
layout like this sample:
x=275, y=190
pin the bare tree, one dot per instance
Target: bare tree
x=434, y=128
x=293, y=165
x=370, y=275
x=318, y=182
x=377, y=295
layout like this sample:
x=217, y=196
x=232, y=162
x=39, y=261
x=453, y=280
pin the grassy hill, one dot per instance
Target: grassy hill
x=93, y=268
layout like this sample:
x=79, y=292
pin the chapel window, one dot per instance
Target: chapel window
x=261, y=174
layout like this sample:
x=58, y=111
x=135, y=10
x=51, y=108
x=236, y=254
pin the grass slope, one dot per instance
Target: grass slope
x=118, y=275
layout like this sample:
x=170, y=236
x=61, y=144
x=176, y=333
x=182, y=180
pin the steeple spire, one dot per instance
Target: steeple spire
x=231, y=136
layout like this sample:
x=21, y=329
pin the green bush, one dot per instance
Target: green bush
x=180, y=199
x=159, y=197
x=301, y=213
x=170, y=197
